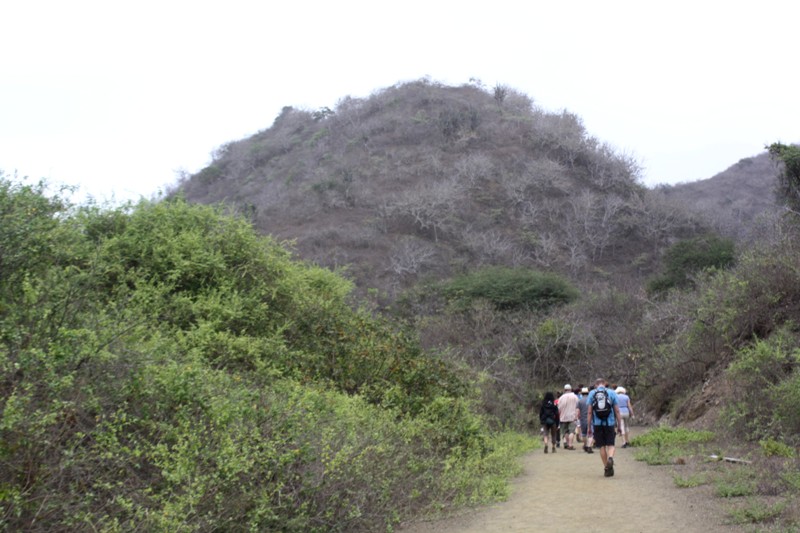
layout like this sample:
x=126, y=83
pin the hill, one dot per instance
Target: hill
x=734, y=199
x=425, y=180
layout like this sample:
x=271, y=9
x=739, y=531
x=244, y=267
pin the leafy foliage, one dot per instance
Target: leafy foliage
x=767, y=377
x=509, y=289
x=691, y=256
x=788, y=186
x=671, y=436
x=165, y=368
x=700, y=332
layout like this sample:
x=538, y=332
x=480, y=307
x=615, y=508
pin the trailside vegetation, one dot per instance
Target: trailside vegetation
x=165, y=368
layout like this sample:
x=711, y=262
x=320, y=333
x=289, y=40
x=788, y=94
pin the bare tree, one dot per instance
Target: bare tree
x=410, y=255
x=431, y=206
x=490, y=247
x=657, y=218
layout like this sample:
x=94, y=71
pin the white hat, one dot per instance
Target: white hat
x=620, y=390
x=585, y=390
x=567, y=387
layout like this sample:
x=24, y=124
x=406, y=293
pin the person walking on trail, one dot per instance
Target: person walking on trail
x=548, y=416
x=583, y=409
x=568, y=414
x=625, y=415
x=603, y=413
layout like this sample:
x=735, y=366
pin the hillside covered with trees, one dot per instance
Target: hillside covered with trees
x=442, y=204
x=422, y=180
x=736, y=202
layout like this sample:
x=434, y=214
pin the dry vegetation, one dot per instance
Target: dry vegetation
x=426, y=180
x=421, y=183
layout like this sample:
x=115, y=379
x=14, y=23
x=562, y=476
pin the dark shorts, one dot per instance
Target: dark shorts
x=604, y=436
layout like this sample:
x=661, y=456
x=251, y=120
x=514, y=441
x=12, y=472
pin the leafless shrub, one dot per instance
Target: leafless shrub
x=410, y=255
x=430, y=207
x=472, y=168
x=489, y=247
x=546, y=249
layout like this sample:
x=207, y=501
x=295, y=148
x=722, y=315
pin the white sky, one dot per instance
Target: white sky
x=115, y=97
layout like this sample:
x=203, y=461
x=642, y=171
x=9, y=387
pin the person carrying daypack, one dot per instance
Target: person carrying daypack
x=548, y=416
x=602, y=416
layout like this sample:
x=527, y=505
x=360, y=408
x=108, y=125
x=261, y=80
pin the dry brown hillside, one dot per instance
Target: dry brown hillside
x=734, y=199
x=422, y=179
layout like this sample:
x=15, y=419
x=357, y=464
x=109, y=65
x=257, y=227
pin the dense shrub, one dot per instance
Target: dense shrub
x=767, y=378
x=698, y=333
x=164, y=368
x=687, y=257
x=511, y=288
x=788, y=187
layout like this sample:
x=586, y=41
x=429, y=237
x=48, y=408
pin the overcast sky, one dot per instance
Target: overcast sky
x=116, y=97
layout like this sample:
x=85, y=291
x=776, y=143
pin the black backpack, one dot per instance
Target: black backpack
x=601, y=404
x=549, y=414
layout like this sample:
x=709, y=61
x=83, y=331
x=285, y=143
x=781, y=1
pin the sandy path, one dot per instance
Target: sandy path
x=567, y=490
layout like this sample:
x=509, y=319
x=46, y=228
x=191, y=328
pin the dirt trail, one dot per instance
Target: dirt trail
x=567, y=490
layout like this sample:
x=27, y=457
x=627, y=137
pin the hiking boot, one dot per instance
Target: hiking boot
x=554, y=449
x=625, y=445
x=545, y=448
x=609, y=467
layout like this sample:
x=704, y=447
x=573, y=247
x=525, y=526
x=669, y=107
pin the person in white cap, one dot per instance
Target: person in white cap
x=625, y=415
x=568, y=414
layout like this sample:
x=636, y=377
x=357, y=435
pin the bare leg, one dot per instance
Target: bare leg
x=609, y=450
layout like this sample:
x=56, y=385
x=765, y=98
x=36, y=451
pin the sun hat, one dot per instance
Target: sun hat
x=585, y=390
x=567, y=387
x=620, y=390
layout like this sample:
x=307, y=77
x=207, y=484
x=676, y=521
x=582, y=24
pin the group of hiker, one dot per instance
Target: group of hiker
x=593, y=416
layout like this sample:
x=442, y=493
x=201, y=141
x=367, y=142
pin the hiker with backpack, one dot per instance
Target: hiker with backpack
x=548, y=416
x=603, y=413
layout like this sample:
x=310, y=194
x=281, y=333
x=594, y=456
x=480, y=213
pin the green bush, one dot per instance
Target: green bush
x=510, y=288
x=671, y=436
x=691, y=256
x=164, y=368
x=772, y=447
x=766, y=377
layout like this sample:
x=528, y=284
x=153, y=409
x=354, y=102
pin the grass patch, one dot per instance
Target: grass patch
x=736, y=483
x=694, y=480
x=774, y=448
x=757, y=512
x=667, y=445
x=792, y=480
x=658, y=456
x=669, y=436
x=734, y=489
